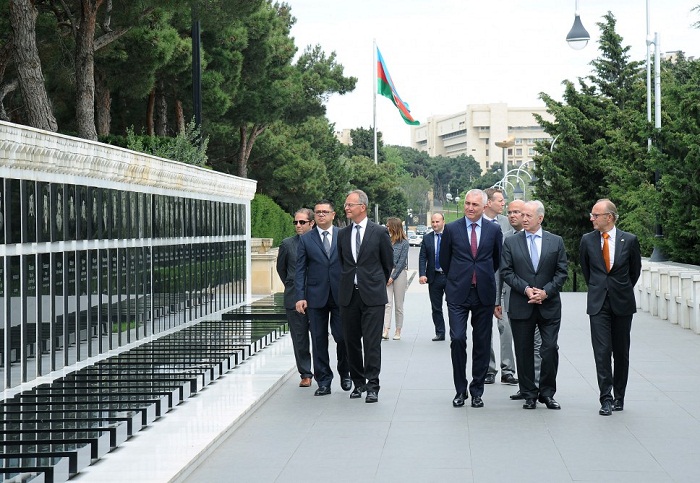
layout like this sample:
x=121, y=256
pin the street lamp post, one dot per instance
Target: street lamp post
x=577, y=39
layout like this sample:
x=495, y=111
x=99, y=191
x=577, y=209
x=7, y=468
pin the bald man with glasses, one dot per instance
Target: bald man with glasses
x=611, y=263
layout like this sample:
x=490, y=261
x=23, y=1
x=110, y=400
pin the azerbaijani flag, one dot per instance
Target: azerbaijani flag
x=386, y=88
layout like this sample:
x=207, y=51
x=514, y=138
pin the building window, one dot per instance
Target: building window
x=518, y=140
x=519, y=152
x=531, y=151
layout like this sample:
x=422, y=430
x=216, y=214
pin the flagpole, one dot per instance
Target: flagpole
x=374, y=97
x=374, y=115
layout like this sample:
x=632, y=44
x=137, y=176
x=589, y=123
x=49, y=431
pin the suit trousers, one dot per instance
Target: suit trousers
x=436, y=290
x=396, y=293
x=506, y=347
x=362, y=328
x=481, y=342
x=524, y=337
x=319, y=319
x=610, y=336
x=299, y=328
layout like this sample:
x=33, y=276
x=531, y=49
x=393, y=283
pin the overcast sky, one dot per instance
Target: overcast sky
x=445, y=54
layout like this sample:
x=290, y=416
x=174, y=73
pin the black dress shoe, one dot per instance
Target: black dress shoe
x=438, y=337
x=618, y=405
x=346, y=383
x=459, y=399
x=530, y=404
x=477, y=402
x=357, y=392
x=605, y=408
x=371, y=397
x=490, y=379
x=549, y=402
x=323, y=391
x=517, y=396
x=509, y=379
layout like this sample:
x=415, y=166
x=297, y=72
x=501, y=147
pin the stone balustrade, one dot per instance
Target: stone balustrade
x=670, y=291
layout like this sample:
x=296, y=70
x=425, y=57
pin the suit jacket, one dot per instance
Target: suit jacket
x=317, y=274
x=502, y=288
x=619, y=283
x=287, y=268
x=373, y=267
x=518, y=272
x=459, y=265
x=426, y=257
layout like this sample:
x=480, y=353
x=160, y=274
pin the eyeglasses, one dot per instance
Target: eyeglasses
x=301, y=222
x=350, y=205
x=596, y=215
x=323, y=212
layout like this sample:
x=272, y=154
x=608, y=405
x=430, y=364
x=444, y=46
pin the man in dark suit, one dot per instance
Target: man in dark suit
x=534, y=265
x=286, y=269
x=469, y=256
x=611, y=263
x=430, y=272
x=317, y=285
x=366, y=261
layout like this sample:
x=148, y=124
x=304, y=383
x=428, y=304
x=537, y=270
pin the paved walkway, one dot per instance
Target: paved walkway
x=415, y=435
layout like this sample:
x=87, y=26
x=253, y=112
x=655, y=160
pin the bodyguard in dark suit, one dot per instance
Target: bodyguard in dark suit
x=433, y=275
x=317, y=281
x=286, y=269
x=366, y=261
x=469, y=255
x=534, y=265
x=611, y=263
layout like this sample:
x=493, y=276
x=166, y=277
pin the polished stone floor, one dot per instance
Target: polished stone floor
x=255, y=424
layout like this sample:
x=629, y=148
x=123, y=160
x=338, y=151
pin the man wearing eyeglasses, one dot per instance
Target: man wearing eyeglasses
x=317, y=281
x=286, y=269
x=366, y=261
x=611, y=263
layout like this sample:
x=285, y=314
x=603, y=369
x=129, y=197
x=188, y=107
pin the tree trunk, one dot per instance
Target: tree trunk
x=161, y=113
x=246, y=146
x=103, y=104
x=179, y=117
x=149, y=112
x=85, y=69
x=31, y=78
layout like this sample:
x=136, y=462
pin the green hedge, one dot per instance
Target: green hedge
x=268, y=220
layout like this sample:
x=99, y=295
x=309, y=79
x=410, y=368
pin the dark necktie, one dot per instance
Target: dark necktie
x=358, y=241
x=474, y=249
x=437, y=252
x=326, y=243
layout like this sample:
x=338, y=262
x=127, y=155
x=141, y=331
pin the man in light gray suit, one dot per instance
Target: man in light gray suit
x=493, y=213
x=534, y=264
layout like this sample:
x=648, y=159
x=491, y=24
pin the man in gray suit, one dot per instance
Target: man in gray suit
x=493, y=213
x=611, y=263
x=534, y=264
x=317, y=285
x=286, y=269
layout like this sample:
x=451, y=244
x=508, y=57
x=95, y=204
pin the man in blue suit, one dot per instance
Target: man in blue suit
x=469, y=255
x=433, y=275
x=317, y=284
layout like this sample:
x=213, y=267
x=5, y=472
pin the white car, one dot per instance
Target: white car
x=415, y=240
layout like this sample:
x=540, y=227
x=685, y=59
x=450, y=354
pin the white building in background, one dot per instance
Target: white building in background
x=476, y=131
